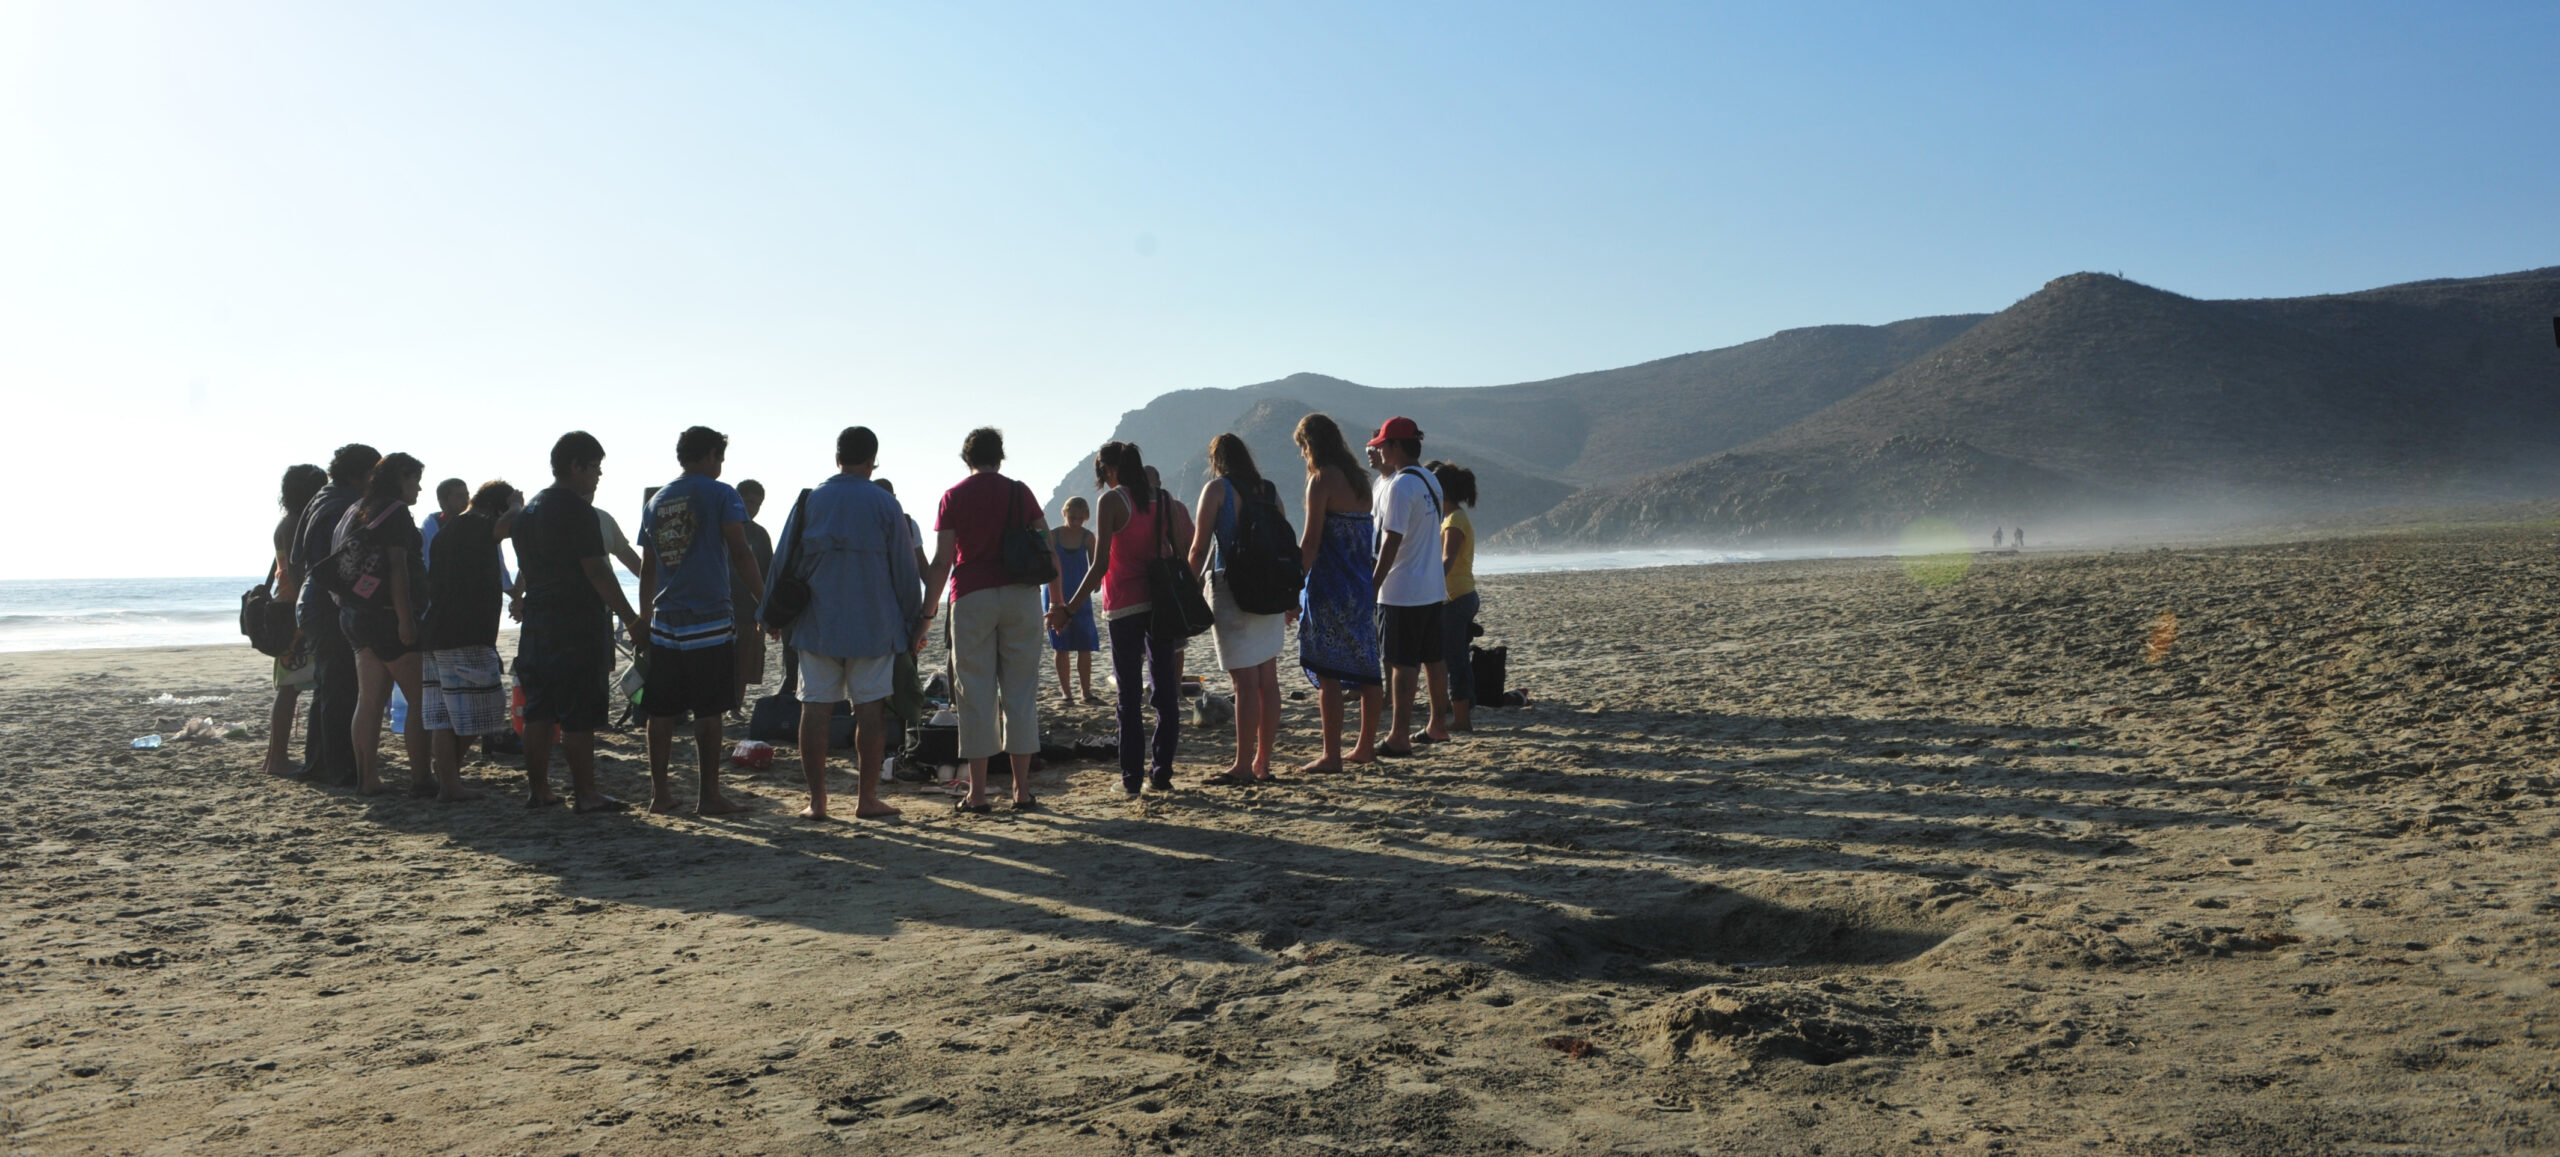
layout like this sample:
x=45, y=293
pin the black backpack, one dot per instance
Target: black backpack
x=1263, y=572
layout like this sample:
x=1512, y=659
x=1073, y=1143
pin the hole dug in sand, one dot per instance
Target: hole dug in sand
x=1710, y=931
x=1817, y=1022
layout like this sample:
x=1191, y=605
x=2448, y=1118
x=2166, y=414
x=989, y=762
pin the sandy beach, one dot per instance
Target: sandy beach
x=2232, y=850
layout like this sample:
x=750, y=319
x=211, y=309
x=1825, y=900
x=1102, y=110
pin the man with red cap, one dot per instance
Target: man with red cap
x=1410, y=583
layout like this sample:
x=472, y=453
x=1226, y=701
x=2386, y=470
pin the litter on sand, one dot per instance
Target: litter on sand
x=202, y=729
x=166, y=699
x=146, y=743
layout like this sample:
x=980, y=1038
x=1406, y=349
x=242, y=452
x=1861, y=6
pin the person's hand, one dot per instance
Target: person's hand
x=408, y=634
x=1059, y=617
x=1290, y=616
x=922, y=634
x=515, y=607
x=639, y=635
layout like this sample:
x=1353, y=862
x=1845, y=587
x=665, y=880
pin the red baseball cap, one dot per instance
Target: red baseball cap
x=1395, y=429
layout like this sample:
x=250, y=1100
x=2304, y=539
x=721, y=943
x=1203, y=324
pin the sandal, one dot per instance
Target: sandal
x=1028, y=803
x=964, y=807
x=1386, y=752
x=1230, y=779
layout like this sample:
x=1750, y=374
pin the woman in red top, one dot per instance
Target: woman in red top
x=996, y=635
x=1132, y=525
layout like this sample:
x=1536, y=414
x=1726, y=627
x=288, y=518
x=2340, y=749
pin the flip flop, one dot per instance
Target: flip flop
x=1029, y=803
x=964, y=807
x=1385, y=752
x=1230, y=779
x=1422, y=739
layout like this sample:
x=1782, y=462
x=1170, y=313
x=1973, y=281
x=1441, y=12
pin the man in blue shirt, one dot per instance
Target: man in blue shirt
x=866, y=604
x=691, y=536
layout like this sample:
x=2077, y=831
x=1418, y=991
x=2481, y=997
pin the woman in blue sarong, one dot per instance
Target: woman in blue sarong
x=1338, y=622
x=1074, y=545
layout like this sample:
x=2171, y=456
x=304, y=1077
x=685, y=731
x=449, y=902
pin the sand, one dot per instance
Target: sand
x=2236, y=850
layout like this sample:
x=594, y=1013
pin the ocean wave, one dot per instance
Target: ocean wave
x=33, y=620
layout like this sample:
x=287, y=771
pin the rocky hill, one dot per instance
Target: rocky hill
x=1533, y=443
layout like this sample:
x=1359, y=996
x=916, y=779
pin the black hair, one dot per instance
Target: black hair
x=1120, y=459
x=856, y=445
x=353, y=464
x=1412, y=447
x=983, y=448
x=751, y=489
x=300, y=483
x=884, y=484
x=574, y=449
x=699, y=442
x=1457, y=483
x=383, y=490
x=1233, y=461
x=492, y=498
x=1319, y=440
x=452, y=484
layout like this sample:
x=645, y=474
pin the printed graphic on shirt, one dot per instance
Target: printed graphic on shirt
x=676, y=526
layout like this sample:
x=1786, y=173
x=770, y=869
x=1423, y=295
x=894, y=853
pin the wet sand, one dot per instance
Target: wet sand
x=2239, y=850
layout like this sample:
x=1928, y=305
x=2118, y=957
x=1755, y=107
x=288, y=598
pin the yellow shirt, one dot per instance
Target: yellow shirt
x=1462, y=577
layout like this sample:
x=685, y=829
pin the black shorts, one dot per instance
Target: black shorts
x=567, y=672
x=702, y=682
x=1409, y=636
x=372, y=629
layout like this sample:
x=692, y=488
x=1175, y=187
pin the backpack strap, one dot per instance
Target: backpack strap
x=1430, y=487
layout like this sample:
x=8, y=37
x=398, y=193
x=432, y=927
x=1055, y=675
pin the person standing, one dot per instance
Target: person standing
x=1131, y=531
x=1074, y=547
x=564, y=657
x=616, y=544
x=1337, y=624
x=1248, y=644
x=381, y=586
x=462, y=684
x=745, y=596
x=1458, y=570
x=293, y=669
x=328, y=754
x=856, y=551
x=453, y=495
x=693, y=535
x=995, y=617
x=1409, y=582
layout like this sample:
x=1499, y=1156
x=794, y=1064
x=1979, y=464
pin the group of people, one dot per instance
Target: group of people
x=385, y=601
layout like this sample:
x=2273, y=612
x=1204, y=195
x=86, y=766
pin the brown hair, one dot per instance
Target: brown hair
x=1320, y=442
x=1120, y=460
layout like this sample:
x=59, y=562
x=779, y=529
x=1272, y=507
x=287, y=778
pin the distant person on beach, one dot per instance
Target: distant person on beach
x=381, y=586
x=453, y=495
x=1130, y=531
x=1996, y=541
x=616, y=543
x=693, y=536
x=462, y=682
x=564, y=658
x=2018, y=538
x=328, y=754
x=866, y=606
x=1337, y=625
x=294, y=669
x=995, y=617
x=1411, y=585
x=1081, y=638
x=746, y=596
x=1248, y=644
x=1458, y=569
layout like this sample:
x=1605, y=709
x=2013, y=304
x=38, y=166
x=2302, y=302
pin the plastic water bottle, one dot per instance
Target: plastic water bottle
x=399, y=711
x=146, y=743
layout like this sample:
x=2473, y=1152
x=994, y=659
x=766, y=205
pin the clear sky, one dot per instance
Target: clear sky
x=233, y=235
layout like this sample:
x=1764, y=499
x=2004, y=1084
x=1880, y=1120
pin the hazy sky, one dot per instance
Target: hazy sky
x=233, y=235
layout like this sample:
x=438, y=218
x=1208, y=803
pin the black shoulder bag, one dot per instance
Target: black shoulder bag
x=790, y=597
x=1177, y=608
x=1026, y=551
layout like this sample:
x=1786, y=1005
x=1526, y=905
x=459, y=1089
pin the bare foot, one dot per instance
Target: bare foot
x=874, y=810
x=282, y=768
x=660, y=804
x=601, y=803
x=546, y=799
x=1319, y=766
x=1361, y=754
x=373, y=787
x=716, y=804
x=815, y=811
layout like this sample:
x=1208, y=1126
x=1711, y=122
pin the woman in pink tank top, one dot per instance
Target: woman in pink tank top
x=1126, y=524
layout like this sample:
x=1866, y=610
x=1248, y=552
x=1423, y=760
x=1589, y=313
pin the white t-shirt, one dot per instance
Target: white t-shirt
x=614, y=540
x=1409, y=504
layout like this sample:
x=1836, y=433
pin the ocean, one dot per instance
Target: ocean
x=84, y=614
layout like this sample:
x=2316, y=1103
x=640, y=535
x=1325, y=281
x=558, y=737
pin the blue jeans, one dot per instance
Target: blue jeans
x=1135, y=657
x=1457, y=620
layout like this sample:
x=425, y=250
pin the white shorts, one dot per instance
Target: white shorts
x=827, y=679
x=465, y=691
